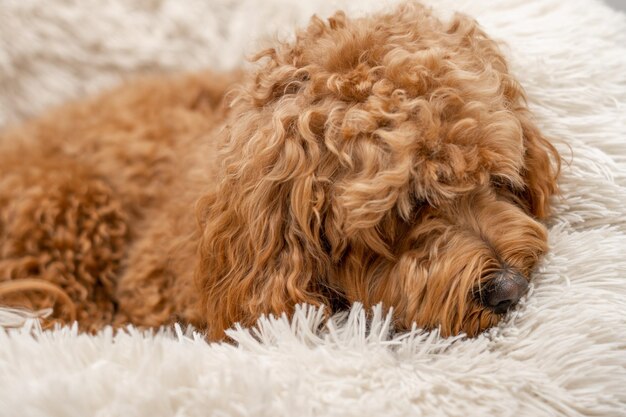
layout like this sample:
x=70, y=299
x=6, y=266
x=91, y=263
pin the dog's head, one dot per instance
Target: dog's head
x=386, y=159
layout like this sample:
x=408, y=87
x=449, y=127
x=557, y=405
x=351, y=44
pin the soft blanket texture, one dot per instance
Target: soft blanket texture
x=561, y=352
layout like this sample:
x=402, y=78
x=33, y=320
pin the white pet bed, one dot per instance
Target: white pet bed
x=561, y=352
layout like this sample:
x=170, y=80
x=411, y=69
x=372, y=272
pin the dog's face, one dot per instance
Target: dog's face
x=457, y=265
x=388, y=159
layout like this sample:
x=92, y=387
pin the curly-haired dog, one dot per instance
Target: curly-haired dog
x=385, y=159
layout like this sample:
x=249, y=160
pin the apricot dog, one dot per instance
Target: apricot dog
x=386, y=159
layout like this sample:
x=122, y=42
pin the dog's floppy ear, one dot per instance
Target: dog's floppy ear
x=540, y=171
x=261, y=250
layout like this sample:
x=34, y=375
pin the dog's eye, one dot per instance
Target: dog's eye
x=498, y=182
x=416, y=201
x=415, y=209
x=504, y=185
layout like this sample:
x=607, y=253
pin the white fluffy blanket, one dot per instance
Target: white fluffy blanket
x=561, y=352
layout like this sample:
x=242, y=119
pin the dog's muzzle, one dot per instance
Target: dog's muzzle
x=503, y=292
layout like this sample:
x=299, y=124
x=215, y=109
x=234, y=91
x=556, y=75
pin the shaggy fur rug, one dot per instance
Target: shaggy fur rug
x=561, y=352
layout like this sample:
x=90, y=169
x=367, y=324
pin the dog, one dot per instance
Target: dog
x=386, y=159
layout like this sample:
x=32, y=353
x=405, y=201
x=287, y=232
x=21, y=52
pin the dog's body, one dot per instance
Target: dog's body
x=388, y=159
x=98, y=197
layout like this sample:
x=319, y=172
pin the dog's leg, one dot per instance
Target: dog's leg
x=157, y=287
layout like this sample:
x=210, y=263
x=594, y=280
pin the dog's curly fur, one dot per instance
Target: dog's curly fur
x=387, y=159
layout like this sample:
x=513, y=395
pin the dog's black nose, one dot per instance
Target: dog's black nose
x=503, y=292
